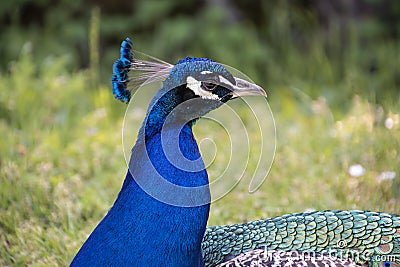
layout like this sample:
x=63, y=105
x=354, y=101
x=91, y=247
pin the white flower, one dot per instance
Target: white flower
x=356, y=170
x=386, y=176
x=389, y=123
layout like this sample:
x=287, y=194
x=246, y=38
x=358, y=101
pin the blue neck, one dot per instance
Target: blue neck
x=141, y=230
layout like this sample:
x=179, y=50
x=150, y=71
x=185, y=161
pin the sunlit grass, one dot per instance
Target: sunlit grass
x=62, y=164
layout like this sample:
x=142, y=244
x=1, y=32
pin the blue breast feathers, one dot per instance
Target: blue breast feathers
x=140, y=230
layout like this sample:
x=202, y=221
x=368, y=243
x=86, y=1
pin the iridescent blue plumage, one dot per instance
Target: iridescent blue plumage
x=119, y=79
x=142, y=71
x=194, y=59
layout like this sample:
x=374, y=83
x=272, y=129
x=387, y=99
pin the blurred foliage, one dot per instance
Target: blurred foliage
x=335, y=42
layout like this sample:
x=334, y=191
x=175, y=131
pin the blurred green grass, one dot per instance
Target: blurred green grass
x=61, y=154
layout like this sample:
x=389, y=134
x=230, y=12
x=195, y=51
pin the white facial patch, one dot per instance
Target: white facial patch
x=195, y=86
x=225, y=81
x=206, y=72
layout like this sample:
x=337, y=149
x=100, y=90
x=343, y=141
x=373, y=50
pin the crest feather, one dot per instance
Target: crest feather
x=130, y=72
x=134, y=69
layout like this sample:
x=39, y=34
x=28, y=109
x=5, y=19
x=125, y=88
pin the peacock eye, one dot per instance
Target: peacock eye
x=208, y=86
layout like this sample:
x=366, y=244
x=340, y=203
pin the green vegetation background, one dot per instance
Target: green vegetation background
x=331, y=70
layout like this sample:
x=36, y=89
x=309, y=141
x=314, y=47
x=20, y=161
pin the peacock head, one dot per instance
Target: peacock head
x=209, y=80
x=191, y=88
x=202, y=85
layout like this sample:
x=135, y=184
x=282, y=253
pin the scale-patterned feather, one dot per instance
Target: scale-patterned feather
x=354, y=234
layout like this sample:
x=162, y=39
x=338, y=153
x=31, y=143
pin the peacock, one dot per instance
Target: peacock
x=160, y=215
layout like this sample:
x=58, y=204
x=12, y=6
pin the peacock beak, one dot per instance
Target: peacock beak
x=245, y=88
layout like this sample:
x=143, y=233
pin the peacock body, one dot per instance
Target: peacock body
x=159, y=217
